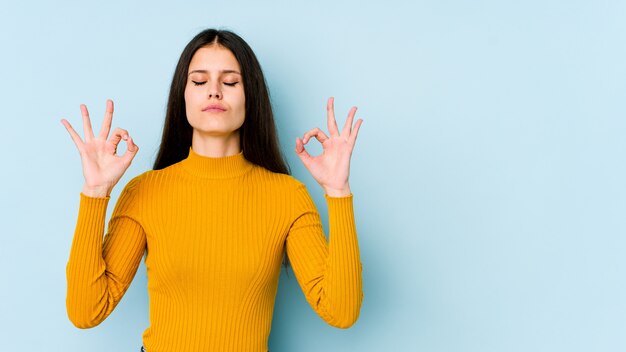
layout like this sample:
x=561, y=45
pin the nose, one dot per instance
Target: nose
x=215, y=92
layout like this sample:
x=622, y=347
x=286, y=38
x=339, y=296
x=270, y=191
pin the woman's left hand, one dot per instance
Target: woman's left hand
x=332, y=168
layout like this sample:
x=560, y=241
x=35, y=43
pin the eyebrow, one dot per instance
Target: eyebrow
x=221, y=71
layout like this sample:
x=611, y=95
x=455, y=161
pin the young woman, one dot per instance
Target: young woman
x=216, y=215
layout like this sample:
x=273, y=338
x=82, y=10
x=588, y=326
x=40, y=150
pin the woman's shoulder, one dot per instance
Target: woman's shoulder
x=136, y=182
x=284, y=181
x=150, y=176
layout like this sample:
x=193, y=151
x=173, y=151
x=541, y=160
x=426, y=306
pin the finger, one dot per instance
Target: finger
x=347, y=128
x=108, y=118
x=116, y=137
x=302, y=153
x=317, y=133
x=131, y=150
x=355, y=131
x=330, y=112
x=75, y=137
x=299, y=145
x=86, y=122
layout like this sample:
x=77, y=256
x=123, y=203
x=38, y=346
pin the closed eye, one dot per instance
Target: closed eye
x=198, y=83
x=231, y=84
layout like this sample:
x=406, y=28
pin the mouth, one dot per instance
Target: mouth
x=214, y=108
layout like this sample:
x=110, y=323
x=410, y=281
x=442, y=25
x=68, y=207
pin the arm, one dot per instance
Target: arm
x=99, y=271
x=328, y=273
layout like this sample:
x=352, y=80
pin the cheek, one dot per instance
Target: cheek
x=188, y=95
x=242, y=110
x=189, y=102
x=191, y=97
x=242, y=101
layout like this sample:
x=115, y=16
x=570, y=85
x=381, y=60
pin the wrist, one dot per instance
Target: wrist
x=96, y=191
x=338, y=192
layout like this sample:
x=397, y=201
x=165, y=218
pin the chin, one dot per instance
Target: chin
x=215, y=131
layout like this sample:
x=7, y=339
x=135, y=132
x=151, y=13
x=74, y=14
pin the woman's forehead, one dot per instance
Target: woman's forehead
x=214, y=58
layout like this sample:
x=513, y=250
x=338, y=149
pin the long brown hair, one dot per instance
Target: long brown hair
x=258, y=137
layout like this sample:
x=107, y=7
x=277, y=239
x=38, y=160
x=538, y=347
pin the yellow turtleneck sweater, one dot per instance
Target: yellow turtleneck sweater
x=214, y=231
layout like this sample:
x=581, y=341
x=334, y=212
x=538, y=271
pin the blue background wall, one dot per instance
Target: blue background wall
x=488, y=176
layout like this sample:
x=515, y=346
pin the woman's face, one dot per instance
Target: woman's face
x=214, y=97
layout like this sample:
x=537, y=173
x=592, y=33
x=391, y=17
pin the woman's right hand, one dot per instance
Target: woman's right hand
x=102, y=167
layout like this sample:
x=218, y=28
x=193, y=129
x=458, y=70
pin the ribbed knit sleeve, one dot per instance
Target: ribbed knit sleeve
x=100, y=270
x=215, y=231
x=329, y=273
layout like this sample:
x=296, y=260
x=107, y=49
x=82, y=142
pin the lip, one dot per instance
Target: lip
x=214, y=108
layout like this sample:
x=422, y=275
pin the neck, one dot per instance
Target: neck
x=215, y=146
x=216, y=167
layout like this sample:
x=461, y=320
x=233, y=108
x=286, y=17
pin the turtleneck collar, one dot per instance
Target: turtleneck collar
x=216, y=168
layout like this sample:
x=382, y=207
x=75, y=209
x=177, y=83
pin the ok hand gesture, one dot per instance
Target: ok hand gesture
x=332, y=168
x=102, y=167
